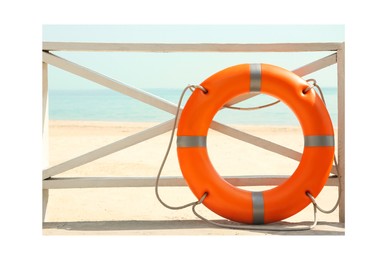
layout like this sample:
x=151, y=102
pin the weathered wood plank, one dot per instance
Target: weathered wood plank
x=45, y=113
x=301, y=71
x=45, y=196
x=191, y=47
x=170, y=181
x=316, y=65
x=341, y=129
x=45, y=193
x=262, y=143
x=109, y=149
x=109, y=83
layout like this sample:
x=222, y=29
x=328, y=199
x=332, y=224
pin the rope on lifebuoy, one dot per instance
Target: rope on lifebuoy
x=200, y=201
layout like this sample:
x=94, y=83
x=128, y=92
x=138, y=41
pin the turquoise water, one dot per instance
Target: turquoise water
x=107, y=105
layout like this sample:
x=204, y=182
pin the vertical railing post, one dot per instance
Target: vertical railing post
x=341, y=128
x=45, y=129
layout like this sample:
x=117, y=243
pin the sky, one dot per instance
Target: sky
x=194, y=33
x=176, y=70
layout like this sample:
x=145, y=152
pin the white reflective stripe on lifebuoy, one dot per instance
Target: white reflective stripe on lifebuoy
x=258, y=207
x=191, y=141
x=255, y=77
x=319, y=140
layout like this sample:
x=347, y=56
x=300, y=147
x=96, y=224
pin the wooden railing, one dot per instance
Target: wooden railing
x=50, y=172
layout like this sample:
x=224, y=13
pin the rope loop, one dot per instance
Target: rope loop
x=311, y=86
x=193, y=87
x=319, y=208
x=314, y=85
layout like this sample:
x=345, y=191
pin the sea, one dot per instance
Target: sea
x=108, y=105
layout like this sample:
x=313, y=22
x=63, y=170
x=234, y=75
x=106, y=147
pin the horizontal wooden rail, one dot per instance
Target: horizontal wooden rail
x=118, y=182
x=191, y=47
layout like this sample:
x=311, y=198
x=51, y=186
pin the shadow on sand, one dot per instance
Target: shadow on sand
x=323, y=228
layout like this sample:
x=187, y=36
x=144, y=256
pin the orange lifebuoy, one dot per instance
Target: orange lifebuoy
x=241, y=205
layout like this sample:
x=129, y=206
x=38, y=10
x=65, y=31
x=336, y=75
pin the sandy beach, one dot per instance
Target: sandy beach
x=136, y=211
